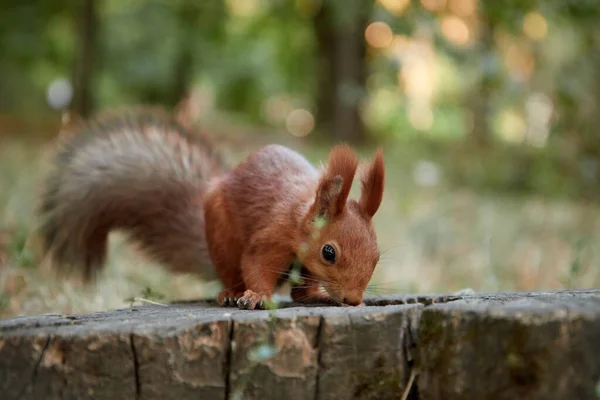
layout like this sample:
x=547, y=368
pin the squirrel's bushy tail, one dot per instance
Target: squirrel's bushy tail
x=138, y=171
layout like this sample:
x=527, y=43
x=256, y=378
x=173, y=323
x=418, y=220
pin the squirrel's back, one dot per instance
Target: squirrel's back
x=272, y=179
x=136, y=170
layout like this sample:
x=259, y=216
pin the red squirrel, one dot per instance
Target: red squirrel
x=144, y=172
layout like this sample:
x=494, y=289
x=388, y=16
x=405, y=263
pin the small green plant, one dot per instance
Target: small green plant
x=17, y=246
x=261, y=353
x=147, y=295
x=576, y=266
x=295, y=276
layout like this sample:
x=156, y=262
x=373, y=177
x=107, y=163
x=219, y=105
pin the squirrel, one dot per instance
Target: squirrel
x=143, y=171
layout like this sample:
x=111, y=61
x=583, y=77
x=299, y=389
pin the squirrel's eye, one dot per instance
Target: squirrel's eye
x=328, y=253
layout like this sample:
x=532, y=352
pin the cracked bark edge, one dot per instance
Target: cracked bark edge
x=370, y=301
x=443, y=334
x=285, y=365
x=318, y=344
x=363, y=353
x=31, y=384
x=410, y=349
x=185, y=362
x=514, y=348
x=227, y=365
x=37, y=365
x=20, y=359
x=136, y=367
x=379, y=301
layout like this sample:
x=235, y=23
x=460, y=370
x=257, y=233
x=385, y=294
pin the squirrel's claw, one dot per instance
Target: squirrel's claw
x=244, y=304
x=250, y=301
x=227, y=298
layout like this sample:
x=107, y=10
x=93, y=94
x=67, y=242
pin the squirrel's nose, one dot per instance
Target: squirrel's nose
x=352, y=300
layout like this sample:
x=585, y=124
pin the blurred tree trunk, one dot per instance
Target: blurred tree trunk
x=341, y=67
x=183, y=76
x=83, y=74
x=480, y=96
x=183, y=71
x=326, y=83
x=585, y=120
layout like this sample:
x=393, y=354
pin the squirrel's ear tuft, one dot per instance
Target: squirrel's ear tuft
x=372, y=182
x=328, y=194
x=343, y=163
x=336, y=182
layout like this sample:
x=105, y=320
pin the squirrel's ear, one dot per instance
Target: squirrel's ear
x=336, y=182
x=372, y=182
x=328, y=192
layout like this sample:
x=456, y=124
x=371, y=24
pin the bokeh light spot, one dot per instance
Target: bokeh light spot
x=455, y=30
x=535, y=26
x=396, y=7
x=243, y=8
x=519, y=61
x=511, y=126
x=463, y=8
x=434, y=5
x=300, y=123
x=379, y=35
x=420, y=117
x=60, y=93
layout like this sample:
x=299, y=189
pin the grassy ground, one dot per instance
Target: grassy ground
x=436, y=239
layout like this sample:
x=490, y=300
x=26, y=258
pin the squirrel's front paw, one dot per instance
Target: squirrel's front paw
x=251, y=300
x=228, y=298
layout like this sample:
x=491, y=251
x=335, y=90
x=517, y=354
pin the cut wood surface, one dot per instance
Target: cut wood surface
x=480, y=346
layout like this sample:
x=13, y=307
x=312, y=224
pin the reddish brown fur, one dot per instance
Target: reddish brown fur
x=264, y=214
x=342, y=163
x=372, y=183
x=142, y=172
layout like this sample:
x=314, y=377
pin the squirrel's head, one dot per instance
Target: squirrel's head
x=339, y=245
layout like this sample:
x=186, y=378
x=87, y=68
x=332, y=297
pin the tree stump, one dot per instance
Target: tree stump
x=482, y=346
